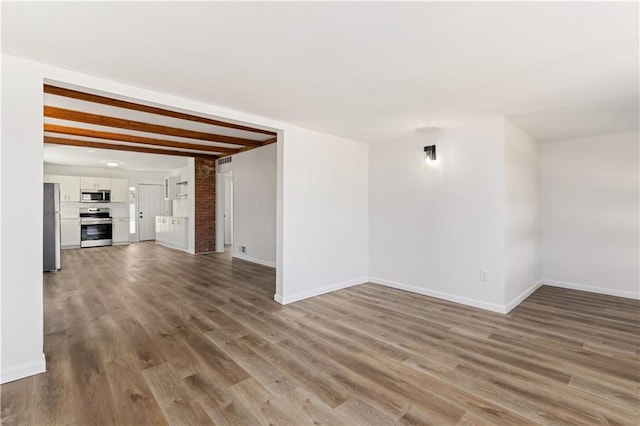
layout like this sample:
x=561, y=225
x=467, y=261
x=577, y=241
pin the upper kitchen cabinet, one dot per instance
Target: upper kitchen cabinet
x=119, y=190
x=171, y=188
x=69, y=186
x=95, y=183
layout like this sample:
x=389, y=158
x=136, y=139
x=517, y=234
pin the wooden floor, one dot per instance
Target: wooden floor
x=142, y=334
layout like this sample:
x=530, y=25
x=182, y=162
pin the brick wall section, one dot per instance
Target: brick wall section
x=205, y=207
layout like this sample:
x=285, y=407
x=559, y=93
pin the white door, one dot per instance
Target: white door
x=151, y=203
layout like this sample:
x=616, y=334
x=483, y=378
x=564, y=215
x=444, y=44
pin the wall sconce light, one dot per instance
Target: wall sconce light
x=429, y=153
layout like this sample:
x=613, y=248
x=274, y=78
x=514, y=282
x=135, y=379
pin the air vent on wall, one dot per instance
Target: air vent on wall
x=224, y=160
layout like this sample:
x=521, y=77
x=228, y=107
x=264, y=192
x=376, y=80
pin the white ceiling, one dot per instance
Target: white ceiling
x=371, y=71
x=91, y=157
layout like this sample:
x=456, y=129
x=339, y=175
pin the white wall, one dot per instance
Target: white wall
x=590, y=213
x=325, y=224
x=325, y=215
x=522, y=229
x=254, y=204
x=318, y=175
x=22, y=177
x=433, y=228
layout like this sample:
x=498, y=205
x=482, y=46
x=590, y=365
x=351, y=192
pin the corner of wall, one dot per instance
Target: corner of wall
x=522, y=230
x=319, y=291
x=23, y=370
x=509, y=306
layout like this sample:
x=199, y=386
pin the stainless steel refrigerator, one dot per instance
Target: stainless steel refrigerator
x=51, y=221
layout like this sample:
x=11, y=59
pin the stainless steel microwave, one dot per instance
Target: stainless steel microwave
x=95, y=196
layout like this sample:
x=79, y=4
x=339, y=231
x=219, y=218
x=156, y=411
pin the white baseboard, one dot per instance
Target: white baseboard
x=519, y=299
x=171, y=246
x=70, y=247
x=254, y=260
x=440, y=295
x=317, y=292
x=24, y=370
x=591, y=289
x=457, y=299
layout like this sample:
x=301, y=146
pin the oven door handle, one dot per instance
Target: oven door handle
x=97, y=222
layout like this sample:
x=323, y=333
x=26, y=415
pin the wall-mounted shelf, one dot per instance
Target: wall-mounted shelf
x=182, y=193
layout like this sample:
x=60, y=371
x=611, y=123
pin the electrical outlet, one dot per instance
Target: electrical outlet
x=484, y=275
x=242, y=249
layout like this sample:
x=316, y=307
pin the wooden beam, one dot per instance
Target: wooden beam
x=100, y=145
x=267, y=142
x=68, y=93
x=120, y=137
x=272, y=140
x=121, y=123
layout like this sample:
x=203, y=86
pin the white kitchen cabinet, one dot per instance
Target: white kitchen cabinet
x=69, y=186
x=119, y=191
x=94, y=183
x=171, y=188
x=69, y=233
x=178, y=230
x=120, y=230
x=174, y=235
x=172, y=231
x=162, y=229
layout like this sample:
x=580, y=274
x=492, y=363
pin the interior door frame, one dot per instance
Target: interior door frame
x=222, y=171
x=228, y=205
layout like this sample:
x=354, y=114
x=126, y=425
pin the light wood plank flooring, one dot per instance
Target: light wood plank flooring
x=142, y=334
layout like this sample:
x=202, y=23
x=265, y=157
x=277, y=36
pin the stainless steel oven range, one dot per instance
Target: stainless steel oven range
x=95, y=227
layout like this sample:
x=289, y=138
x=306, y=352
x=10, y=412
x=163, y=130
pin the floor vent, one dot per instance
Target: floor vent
x=224, y=160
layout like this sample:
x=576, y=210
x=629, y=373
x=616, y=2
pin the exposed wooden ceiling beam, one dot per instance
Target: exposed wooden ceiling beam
x=121, y=123
x=74, y=131
x=53, y=90
x=267, y=142
x=100, y=145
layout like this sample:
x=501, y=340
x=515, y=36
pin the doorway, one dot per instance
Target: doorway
x=228, y=208
x=151, y=203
